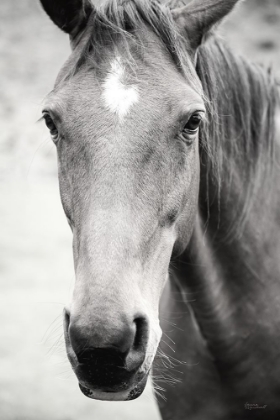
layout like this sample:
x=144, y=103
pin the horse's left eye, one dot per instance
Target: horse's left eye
x=193, y=124
x=51, y=126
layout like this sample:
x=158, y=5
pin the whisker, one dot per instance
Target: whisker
x=168, y=346
x=169, y=338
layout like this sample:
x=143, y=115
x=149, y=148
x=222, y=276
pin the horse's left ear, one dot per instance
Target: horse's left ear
x=198, y=17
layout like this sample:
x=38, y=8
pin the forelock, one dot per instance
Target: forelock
x=116, y=23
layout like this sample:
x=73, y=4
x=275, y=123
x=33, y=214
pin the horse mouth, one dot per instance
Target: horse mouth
x=121, y=393
x=105, y=375
x=109, y=382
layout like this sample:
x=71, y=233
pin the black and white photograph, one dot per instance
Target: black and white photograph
x=140, y=210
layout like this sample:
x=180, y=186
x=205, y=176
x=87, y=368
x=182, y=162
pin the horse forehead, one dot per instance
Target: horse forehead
x=116, y=93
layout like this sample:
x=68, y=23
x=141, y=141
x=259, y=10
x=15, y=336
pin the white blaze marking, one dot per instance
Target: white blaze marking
x=118, y=97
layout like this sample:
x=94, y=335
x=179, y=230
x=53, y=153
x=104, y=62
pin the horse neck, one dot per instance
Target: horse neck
x=230, y=269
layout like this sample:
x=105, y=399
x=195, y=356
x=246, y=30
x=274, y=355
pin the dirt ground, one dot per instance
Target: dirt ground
x=36, y=270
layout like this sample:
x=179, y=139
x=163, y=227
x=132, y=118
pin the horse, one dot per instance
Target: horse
x=168, y=162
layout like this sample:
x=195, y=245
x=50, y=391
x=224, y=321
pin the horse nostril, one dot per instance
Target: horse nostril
x=66, y=319
x=141, y=336
x=136, y=355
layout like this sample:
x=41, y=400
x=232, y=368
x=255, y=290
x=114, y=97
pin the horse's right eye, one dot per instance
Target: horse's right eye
x=51, y=126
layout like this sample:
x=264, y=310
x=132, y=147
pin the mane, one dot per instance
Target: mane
x=121, y=22
x=239, y=136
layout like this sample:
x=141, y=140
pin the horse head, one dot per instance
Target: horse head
x=125, y=115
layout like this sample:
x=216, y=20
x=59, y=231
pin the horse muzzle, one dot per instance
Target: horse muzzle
x=110, y=364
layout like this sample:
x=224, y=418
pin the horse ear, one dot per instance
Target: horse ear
x=69, y=15
x=198, y=17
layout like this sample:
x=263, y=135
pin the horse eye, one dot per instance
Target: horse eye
x=192, y=125
x=51, y=125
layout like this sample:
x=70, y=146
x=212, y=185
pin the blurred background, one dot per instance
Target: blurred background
x=36, y=269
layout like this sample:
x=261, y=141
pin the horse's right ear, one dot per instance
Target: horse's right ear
x=69, y=15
